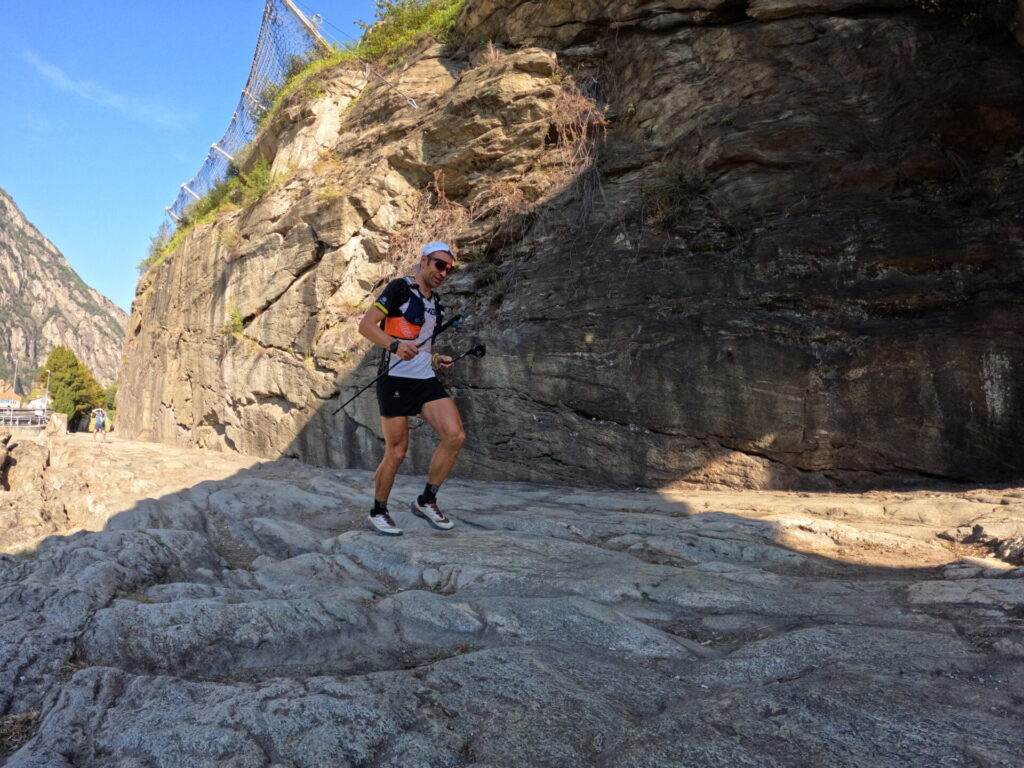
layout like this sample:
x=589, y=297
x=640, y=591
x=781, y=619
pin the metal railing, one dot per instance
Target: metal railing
x=24, y=417
x=287, y=41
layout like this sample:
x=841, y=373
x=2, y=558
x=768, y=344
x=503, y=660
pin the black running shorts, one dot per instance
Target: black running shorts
x=398, y=396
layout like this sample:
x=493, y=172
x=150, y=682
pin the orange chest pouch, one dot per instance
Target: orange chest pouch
x=401, y=328
x=408, y=320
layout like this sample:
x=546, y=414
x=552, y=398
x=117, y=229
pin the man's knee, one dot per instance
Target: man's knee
x=395, y=454
x=454, y=440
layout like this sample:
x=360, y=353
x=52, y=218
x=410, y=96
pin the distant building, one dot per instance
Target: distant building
x=40, y=403
x=9, y=400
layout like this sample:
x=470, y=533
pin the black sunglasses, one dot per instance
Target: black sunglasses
x=442, y=266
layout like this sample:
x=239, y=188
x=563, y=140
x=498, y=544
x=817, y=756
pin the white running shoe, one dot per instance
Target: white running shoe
x=383, y=524
x=430, y=512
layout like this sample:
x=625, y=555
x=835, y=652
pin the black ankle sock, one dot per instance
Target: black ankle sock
x=379, y=507
x=429, y=494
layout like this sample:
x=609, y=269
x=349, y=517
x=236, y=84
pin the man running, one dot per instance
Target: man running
x=101, y=423
x=402, y=321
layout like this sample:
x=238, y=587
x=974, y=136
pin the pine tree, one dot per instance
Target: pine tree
x=72, y=386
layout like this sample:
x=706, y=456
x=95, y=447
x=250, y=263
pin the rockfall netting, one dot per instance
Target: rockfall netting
x=284, y=46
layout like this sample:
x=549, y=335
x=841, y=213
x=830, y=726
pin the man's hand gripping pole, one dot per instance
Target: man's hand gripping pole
x=478, y=351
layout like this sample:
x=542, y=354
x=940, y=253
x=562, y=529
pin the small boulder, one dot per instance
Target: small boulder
x=26, y=462
x=1012, y=550
x=57, y=426
x=961, y=570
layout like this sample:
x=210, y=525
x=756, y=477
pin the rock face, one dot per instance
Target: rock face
x=234, y=613
x=794, y=260
x=44, y=304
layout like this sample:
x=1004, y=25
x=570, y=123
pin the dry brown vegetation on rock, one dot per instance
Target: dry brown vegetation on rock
x=15, y=730
x=434, y=218
x=504, y=210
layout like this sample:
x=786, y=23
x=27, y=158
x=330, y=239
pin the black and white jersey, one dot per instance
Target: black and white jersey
x=410, y=317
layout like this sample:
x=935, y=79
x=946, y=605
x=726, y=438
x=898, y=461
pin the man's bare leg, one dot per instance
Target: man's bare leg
x=396, y=443
x=443, y=416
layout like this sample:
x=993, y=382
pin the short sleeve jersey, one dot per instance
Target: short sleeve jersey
x=411, y=317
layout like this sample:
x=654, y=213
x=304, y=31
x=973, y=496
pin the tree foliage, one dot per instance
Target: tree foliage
x=73, y=388
x=109, y=397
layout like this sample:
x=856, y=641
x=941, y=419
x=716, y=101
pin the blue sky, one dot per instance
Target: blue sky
x=109, y=106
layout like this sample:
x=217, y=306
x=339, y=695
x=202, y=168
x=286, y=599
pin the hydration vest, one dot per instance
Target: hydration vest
x=405, y=324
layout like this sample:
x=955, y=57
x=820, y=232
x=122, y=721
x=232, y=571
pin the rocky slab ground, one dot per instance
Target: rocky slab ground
x=213, y=610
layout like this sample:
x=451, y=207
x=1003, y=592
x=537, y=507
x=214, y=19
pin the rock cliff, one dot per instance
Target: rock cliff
x=773, y=243
x=44, y=304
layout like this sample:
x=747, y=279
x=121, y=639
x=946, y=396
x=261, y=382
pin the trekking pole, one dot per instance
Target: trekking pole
x=478, y=351
x=455, y=322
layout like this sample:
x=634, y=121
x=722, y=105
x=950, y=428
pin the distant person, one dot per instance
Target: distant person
x=100, y=425
x=403, y=321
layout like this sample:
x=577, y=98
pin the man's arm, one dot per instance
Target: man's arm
x=369, y=327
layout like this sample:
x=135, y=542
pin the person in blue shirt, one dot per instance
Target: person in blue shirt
x=100, y=425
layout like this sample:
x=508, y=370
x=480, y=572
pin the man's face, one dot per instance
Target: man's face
x=438, y=266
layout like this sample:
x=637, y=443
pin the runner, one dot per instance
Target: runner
x=406, y=315
x=101, y=423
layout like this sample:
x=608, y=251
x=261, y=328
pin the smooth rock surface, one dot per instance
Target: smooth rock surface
x=226, y=612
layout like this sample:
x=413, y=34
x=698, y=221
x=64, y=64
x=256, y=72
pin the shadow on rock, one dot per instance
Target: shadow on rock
x=247, y=619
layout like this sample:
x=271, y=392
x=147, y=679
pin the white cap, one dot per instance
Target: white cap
x=433, y=247
x=436, y=246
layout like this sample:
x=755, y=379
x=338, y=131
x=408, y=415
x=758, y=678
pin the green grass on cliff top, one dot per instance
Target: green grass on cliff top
x=237, y=190
x=398, y=25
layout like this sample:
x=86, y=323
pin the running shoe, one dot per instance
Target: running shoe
x=430, y=512
x=383, y=524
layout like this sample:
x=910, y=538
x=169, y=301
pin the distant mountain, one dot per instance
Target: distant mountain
x=43, y=304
